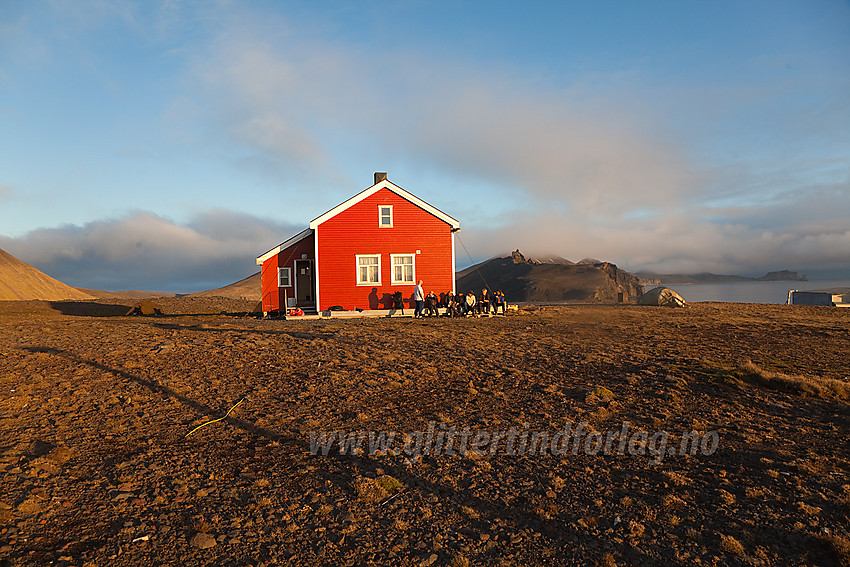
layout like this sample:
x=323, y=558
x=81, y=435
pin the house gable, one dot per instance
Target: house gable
x=418, y=239
x=374, y=189
x=283, y=246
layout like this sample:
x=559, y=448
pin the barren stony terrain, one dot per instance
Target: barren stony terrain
x=97, y=467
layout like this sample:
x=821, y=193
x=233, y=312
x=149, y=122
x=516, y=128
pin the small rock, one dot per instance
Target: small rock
x=430, y=560
x=203, y=541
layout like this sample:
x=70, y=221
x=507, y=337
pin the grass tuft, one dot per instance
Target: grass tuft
x=376, y=489
x=731, y=545
x=812, y=386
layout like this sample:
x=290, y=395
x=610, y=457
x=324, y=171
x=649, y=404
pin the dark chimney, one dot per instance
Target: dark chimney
x=380, y=177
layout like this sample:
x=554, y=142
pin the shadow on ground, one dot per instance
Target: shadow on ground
x=89, y=309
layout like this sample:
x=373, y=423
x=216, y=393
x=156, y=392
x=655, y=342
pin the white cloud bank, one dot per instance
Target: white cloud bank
x=680, y=245
x=146, y=251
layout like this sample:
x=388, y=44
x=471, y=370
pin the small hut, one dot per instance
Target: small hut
x=663, y=296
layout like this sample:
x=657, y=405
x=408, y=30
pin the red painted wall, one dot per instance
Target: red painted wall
x=273, y=296
x=355, y=231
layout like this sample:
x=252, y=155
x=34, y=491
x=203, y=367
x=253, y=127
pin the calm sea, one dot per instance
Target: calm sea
x=748, y=292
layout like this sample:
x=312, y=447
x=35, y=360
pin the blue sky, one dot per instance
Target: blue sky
x=164, y=145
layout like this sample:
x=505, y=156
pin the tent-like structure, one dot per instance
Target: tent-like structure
x=145, y=307
x=663, y=296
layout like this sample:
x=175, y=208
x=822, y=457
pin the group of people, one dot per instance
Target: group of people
x=457, y=305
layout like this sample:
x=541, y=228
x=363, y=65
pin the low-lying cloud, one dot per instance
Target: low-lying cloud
x=145, y=251
x=679, y=243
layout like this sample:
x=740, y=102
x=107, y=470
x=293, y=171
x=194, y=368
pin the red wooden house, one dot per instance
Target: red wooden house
x=359, y=253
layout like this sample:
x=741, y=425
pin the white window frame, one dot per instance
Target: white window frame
x=392, y=268
x=357, y=268
x=288, y=270
x=381, y=216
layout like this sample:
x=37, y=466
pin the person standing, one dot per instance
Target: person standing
x=419, y=299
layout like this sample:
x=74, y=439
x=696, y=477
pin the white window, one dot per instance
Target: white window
x=403, y=268
x=368, y=269
x=284, y=277
x=385, y=216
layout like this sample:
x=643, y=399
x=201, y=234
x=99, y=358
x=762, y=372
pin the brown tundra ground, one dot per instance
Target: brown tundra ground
x=97, y=467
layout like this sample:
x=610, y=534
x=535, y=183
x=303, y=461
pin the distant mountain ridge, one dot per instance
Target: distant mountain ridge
x=652, y=278
x=246, y=288
x=127, y=294
x=528, y=279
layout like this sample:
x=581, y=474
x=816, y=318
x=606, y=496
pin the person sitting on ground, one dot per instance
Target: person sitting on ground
x=450, y=304
x=431, y=304
x=499, y=302
x=484, y=302
x=460, y=299
x=469, y=303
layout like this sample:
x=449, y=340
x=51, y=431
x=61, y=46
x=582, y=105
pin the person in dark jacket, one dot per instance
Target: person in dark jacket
x=499, y=302
x=484, y=302
x=450, y=303
x=431, y=304
x=460, y=299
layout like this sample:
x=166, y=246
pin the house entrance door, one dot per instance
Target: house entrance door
x=303, y=282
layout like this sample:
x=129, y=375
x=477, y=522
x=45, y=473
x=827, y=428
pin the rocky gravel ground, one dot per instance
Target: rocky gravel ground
x=96, y=467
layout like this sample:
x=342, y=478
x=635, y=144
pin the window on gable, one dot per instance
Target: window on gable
x=385, y=216
x=368, y=269
x=284, y=277
x=403, y=268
